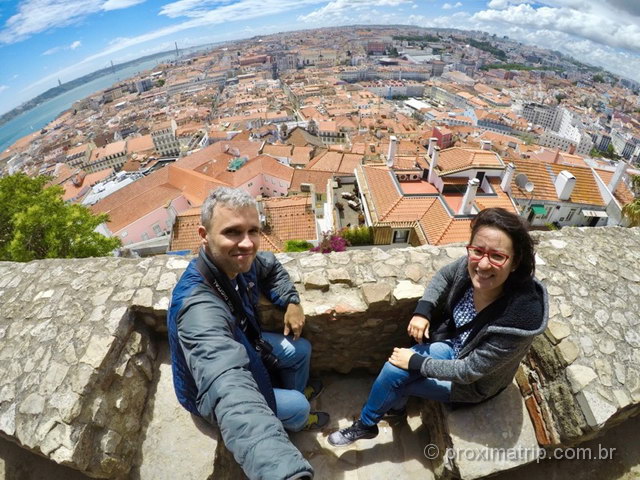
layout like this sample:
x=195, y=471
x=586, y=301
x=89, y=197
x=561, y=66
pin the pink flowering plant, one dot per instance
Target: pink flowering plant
x=331, y=242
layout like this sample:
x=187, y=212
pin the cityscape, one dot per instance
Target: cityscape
x=380, y=129
x=384, y=135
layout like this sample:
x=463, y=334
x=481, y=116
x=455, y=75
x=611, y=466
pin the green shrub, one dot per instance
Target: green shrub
x=358, y=235
x=297, y=246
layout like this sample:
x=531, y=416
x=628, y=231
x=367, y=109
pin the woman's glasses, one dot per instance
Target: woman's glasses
x=496, y=259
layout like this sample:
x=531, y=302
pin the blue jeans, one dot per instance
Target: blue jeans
x=394, y=385
x=294, y=358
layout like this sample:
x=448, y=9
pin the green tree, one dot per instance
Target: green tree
x=36, y=223
x=635, y=184
x=631, y=211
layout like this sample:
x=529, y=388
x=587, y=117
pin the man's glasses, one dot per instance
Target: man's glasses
x=496, y=259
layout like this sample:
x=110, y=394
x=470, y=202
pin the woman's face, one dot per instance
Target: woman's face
x=486, y=277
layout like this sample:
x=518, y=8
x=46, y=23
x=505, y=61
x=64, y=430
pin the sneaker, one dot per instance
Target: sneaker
x=395, y=415
x=316, y=421
x=348, y=435
x=314, y=389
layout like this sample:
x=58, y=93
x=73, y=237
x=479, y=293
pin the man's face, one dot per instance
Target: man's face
x=233, y=238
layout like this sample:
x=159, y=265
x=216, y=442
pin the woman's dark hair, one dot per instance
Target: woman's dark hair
x=516, y=228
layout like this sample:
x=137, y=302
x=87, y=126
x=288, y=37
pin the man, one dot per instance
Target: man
x=223, y=364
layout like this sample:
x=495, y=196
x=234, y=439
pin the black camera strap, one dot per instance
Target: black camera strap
x=221, y=285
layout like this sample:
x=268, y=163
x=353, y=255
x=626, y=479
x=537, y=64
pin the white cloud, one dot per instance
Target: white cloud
x=500, y=4
x=119, y=4
x=3, y=88
x=345, y=11
x=53, y=50
x=36, y=16
x=592, y=23
x=448, y=6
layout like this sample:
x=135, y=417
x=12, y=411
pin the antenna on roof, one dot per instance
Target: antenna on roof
x=523, y=183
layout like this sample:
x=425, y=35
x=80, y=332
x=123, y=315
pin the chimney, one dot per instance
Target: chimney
x=261, y=215
x=393, y=144
x=434, y=163
x=507, y=177
x=486, y=144
x=469, y=197
x=432, y=143
x=565, y=182
x=617, y=176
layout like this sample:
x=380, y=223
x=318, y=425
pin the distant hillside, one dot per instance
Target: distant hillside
x=65, y=87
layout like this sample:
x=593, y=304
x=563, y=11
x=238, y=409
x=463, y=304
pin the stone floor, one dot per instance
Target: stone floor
x=397, y=452
x=174, y=446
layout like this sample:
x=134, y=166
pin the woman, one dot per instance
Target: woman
x=479, y=315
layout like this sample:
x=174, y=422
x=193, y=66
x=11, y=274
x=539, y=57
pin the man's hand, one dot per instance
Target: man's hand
x=400, y=357
x=293, y=320
x=418, y=328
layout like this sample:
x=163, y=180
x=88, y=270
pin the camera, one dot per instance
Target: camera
x=265, y=350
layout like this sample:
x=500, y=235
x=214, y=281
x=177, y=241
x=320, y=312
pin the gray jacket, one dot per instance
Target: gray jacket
x=227, y=393
x=490, y=357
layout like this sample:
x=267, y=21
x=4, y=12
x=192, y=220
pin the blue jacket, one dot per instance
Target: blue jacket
x=216, y=374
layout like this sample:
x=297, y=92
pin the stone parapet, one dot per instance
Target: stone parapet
x=78, y=340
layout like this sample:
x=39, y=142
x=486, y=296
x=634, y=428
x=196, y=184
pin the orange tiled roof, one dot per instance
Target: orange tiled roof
x=72, y=191
x=115, y=148
x=543, y=176
x=502, y=200
x=622, y=193
x=409, y=162
x=291, y=218
x=256, y=166
x=338, y=162
x=123, y=214
x=409, y=209
x=278, y=150
x=270, y=243
x=456, y=159
x=185, y=231
x=140, y=144
x=384, y=193
x=316, y=177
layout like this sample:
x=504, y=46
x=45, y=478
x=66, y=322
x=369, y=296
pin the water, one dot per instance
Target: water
x=36, y=118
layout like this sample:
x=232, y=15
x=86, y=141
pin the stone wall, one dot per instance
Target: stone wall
x=78, y=338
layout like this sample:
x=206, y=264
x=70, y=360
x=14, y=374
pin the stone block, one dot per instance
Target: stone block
x=176, y=444
x=316, y=280
x=596, y=410
x=339, y=275
x=557, y=330
x=406, y=290
x=579, y=377
x=376, y=294
x=568, y=351
x=491, y=437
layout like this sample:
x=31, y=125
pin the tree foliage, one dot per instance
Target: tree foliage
x=297, y=246
x=36, y=223
x=631, y=211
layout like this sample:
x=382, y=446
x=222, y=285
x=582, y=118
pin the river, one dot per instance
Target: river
x=36, y=118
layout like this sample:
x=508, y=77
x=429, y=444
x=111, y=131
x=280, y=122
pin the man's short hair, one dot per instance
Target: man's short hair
x=228, y=197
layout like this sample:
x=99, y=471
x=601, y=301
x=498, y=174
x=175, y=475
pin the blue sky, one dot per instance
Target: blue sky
x=43, y=40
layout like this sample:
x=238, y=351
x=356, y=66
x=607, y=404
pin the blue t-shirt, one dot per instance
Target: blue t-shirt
x=463, y=313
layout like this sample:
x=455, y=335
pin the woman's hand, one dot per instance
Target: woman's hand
x=400, y=357
x=418, y=328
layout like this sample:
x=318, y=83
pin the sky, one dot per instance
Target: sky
x=42, y=41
